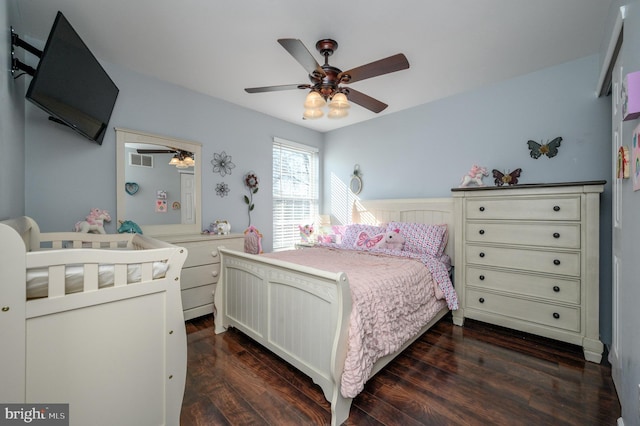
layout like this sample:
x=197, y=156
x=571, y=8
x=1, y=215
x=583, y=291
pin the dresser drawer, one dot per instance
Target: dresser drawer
x=549, y=288
x=547, y=234
x=201, y=253
x=566, y=318
x=521, y=208
x=553, y=262
x=197, y=296
x=199, y=275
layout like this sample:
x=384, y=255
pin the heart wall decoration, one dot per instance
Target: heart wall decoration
x=131, y=187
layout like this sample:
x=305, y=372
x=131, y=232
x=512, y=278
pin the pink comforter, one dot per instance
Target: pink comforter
x=392, y=299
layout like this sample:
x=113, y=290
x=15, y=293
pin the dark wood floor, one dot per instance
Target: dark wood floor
x=472, y=375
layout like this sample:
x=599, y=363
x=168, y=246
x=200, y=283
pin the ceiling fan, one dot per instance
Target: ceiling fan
x=326, y=80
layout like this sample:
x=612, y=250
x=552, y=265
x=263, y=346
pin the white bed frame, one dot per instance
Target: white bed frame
x=301, y=313
x=117, y=355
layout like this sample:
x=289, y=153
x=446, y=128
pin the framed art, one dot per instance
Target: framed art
x=635, y=158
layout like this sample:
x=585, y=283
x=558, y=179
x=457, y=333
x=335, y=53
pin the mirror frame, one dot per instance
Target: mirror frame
x=124, y=136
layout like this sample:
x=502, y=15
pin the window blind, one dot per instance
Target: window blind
x=295, y=190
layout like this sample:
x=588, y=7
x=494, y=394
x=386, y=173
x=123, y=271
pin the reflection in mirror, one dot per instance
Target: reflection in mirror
x=158, y=182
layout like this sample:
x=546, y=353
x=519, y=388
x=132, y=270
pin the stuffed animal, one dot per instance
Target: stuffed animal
x=393, y=240
x=129, y=227
x=94, y=222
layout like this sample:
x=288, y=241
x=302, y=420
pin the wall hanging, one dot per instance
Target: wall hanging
x=622, y=165
x=635, y=158
x=222, y=164
x=251, y=182
x=631, y=96
x=355, y=185
x=550, y=149
x=131, y=188
x=222, y=189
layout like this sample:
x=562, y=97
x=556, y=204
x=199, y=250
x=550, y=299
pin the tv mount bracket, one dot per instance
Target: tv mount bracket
x=16, y=64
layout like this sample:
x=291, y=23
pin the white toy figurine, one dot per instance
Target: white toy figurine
x=474, y=175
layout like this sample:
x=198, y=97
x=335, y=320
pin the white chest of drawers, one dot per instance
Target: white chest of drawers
x=527, y=258
x=201, y=269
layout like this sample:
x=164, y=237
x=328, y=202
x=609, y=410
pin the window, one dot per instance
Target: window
x=295, y=190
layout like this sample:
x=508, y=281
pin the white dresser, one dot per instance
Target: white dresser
x=527, y=258
x=201, y=269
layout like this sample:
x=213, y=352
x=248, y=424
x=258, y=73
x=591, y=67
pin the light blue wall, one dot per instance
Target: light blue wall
x=67, y=175
x=12, y=154
x=423, y=152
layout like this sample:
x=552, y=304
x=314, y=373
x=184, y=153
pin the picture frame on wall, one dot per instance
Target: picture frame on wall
x=635, y=157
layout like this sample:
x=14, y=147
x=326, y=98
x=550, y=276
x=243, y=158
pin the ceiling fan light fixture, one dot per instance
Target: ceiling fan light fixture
x=339, y=102
x=175, y=160
x=314, y=100
x=312, y=113
x=336, y=113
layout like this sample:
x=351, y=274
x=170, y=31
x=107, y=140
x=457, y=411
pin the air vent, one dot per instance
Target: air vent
x=140, y=160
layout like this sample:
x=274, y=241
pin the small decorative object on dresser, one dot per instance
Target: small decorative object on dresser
x=527, y=257
x=510, y=178
x=475, y=175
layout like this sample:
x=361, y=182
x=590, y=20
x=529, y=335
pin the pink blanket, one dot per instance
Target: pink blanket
x=392, y=299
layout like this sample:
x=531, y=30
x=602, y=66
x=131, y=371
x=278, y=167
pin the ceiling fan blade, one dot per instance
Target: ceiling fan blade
x=383, y=66
x=276, y=88
x=365, y=101
x=301, y=54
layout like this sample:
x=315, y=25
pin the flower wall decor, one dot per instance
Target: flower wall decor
x=251, y=182
x=222, y=189
x=222, y=164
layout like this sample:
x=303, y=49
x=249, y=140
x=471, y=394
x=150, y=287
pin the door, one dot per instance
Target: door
x=187, y=198
x=617, y=224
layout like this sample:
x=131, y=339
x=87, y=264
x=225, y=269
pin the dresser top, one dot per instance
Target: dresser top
x=531, y=185
x=185, y=238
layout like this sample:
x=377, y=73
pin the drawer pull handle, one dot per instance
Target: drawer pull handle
x=556, y=235
x=556, y=289
x=481, y=209
x=214, y=253
x=481, y=254
x=481, y=277
x=556, y=208
x=556, y=315
x=481, y=232
x=214, y=274
x=556, y=262
x=481, y=300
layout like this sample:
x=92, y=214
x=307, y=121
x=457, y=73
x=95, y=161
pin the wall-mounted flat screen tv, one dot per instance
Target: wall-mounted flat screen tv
x=71, y=85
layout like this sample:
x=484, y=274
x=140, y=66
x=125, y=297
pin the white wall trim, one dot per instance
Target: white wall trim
x=611, y=54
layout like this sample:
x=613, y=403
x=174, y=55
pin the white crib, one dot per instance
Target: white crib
x=115, y=351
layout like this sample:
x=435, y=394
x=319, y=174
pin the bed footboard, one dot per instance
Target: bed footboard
x=299, y=313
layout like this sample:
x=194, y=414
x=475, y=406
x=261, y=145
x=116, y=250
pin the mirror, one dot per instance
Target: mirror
x=162, y=198
x=355, y=185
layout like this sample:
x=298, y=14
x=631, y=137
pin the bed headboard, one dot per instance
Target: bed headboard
x=419, y=210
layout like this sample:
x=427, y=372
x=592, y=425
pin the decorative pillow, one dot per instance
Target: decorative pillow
x=352, y=232
x=422, y=238
x=367, y=242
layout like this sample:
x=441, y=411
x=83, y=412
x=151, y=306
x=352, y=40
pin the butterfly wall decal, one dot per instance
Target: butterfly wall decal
x=506, y=179
x=550, y=149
